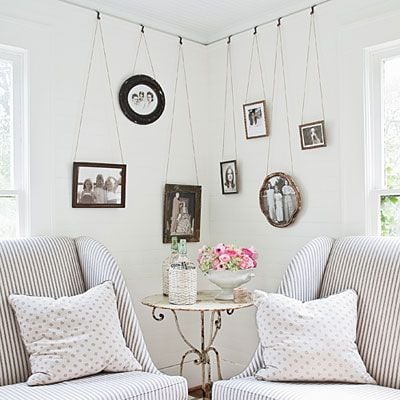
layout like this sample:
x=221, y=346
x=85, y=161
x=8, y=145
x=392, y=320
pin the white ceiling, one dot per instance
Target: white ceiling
x=200, y=20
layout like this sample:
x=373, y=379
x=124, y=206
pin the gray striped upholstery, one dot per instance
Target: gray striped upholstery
x=64, y=267
x=40, y=267
x=98, y=265
x=371, y=266
x=252, y=389
x=122, y=386
x=303, y=277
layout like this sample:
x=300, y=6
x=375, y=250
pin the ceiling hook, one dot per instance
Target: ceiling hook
x=279, y=22
x=312, y=10
x=98, y=15
x=255, y=30
x=142, y=30
x=229, y=39
x=180, y=40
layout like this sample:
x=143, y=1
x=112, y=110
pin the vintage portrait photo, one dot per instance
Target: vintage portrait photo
x=255, y=119
x=182, y=212
x=98, y=185
x=280, y=199
x=312, y=135
x=142, y=99
x=229, y=179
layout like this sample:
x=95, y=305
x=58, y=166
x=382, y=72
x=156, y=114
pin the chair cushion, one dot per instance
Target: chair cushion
x=120, y=386
x=371, y=266
x=38, y=267
x=309, y=342
x=253, y=389
x=72, y=337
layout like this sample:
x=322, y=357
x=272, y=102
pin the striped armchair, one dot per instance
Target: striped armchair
x=369, y=265
x=58, y=267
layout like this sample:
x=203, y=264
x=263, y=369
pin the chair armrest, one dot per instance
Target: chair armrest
x=98, y=265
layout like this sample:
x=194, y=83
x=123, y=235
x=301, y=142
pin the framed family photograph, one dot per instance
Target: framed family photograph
x=312, y=135
x=255, y=119
x=141, y=99
x=280, y=199
x=229, y=177
x=182, y=212
x=98, y=185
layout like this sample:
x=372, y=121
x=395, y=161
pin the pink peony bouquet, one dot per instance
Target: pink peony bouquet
x=227, y=257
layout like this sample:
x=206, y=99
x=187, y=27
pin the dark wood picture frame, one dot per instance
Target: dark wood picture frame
x=310, y=125
x=190, y=193
x=224, y=188
x=263, y=199
x=141, y=119
x=120, y=169
x=264, y=107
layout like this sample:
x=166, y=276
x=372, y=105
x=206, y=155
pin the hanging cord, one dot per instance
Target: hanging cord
x=228, y=70
x=181, y=56
x=86, y=89
x=312, y=30
x=111, y=93
x=98, y=24
x=280, y=45
x=143, y=37
x=255, y=42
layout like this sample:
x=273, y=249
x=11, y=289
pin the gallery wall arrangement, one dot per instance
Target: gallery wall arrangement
x=142, y=100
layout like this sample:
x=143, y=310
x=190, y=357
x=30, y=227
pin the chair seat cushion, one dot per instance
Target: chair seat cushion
x=134, y=385
x=253, y=389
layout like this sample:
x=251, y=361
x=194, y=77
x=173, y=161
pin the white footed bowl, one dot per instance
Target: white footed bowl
x=229, y=280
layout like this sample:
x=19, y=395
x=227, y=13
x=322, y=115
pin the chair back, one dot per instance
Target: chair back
x=40, y=266
x=371, y=266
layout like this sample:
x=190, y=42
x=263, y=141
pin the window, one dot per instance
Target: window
x=383, y=140
x=13, y=144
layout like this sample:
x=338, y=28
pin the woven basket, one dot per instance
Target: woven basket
x=182, y=286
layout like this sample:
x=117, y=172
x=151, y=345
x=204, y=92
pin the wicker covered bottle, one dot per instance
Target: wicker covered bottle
x=182, y=278
x=167, y=264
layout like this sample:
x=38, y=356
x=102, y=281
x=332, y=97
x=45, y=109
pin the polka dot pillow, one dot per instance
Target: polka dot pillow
x=313, y=341
x=73, y=336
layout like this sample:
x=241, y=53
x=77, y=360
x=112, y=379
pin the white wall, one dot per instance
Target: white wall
x=58, y=37
x=331, y=179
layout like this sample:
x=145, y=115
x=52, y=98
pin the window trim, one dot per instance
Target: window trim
x=19, y=59
x=373, y=111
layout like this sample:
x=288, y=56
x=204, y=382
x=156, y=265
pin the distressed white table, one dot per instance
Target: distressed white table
x=205, y=303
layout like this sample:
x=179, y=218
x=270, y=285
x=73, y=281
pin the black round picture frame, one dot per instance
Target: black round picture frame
x=132, y=101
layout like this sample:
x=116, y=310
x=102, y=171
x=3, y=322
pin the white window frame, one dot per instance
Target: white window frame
x=374, y=169
x=19, y=127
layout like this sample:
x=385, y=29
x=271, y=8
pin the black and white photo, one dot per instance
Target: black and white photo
x=280, y=199
x=255, y=119
x=182, y=212
x=98, y=185
x=141, y=99
x=229, y=177
x=312, y=135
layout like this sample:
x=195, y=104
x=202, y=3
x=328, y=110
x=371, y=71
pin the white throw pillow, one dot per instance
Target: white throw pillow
x=313, y=341
x=73, y=336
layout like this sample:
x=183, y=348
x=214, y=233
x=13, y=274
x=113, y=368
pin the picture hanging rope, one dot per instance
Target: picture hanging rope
x=181, y=56
x=143, y=39
x=98, y=28
x=255, y=43
x=279, y=46
x=229, y=72
x=312, y=31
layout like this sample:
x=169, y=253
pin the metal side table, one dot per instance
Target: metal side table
x=205, y=303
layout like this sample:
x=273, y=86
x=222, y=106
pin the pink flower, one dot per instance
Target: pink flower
x=219, y=249
x=246, y=262
x=224, y=258
x=250, y=252
x=216, y=264
x=231, y=252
